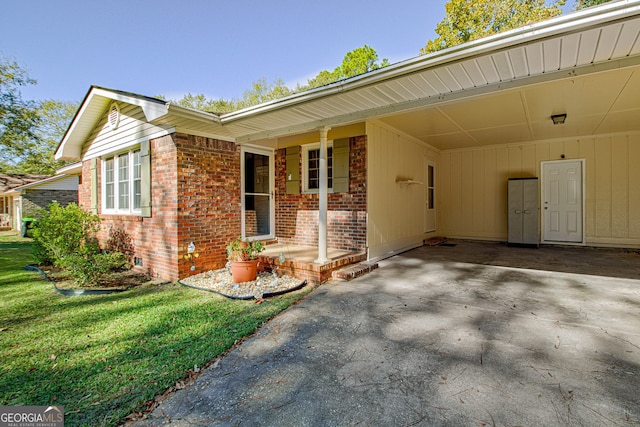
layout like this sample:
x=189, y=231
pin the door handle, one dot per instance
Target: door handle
x=517, y=211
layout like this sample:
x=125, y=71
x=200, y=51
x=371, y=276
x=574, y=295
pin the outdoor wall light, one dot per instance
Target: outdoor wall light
x=559, y=119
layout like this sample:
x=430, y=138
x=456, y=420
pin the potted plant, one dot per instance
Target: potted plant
x=242, y=255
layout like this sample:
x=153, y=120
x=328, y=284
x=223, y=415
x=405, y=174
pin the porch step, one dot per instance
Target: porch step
x=354, y=270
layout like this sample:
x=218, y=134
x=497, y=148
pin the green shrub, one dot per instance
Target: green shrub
x=64, y=231
x=87, y=270
x=66, y=237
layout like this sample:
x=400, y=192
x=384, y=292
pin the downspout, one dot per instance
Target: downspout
x=323, y=199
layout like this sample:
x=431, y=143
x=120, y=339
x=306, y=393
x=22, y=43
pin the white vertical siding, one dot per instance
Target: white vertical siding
x=396, y=210
x=473, y=193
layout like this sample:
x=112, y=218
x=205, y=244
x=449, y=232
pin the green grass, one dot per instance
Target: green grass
x=103, y=357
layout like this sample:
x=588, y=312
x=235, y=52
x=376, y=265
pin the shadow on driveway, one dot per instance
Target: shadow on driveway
x=474, y=334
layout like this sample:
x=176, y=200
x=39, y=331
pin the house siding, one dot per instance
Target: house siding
x=34, y=200
x=397, y=210
x=473, y=186
x=297, y=214
x=132, y=129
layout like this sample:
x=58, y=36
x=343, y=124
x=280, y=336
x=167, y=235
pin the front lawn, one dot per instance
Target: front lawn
x=104, y=357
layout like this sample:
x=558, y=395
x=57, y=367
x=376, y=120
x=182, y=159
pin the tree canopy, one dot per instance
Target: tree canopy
x=29, y=131
x=582, y=4
x=468, y=20
x=358, y=61
x=17, y=116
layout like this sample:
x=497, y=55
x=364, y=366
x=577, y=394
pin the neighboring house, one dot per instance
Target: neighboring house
x=379, y=162
x=23, y=196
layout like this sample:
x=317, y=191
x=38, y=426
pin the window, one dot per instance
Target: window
x=311, y=167
x=122, y=183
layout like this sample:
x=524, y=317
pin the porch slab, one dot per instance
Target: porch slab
x=299, y=261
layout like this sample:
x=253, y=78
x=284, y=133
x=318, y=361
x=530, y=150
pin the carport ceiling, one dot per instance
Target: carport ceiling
x=600, y=103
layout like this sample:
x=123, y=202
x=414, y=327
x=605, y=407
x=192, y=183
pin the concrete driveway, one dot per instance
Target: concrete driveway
x=473, y=334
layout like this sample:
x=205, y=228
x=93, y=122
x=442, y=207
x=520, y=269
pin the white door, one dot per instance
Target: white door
x=258, y=209
x=430, y=220
x=562, y=201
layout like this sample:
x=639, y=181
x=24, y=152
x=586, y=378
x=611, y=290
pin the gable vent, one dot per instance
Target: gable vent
x=114, y=116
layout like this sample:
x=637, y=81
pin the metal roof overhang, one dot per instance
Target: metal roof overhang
x=592, y=41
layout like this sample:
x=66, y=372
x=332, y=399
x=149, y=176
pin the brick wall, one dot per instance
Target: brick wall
x=297, y=214
x=196, y=198
x=154, y=238
x=35, y=200
x=208, y=200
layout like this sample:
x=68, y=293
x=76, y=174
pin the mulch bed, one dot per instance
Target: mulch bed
x=119, y=280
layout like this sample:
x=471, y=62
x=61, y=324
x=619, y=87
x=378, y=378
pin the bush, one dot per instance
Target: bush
x=64, y=231
x=66, y=237
x=88, y=270
x=120, y=241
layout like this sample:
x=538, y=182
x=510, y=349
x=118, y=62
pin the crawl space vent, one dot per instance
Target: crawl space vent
x=114, y=116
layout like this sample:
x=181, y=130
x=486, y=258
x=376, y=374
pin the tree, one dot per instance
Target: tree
x=468, y=20
x=36, y=151
x=200, y=102
x=17, y=116
x=355, y=62
x=358, y=61
x=583, y=4
x=54, y=118
x=29, y=131
x=261, y=91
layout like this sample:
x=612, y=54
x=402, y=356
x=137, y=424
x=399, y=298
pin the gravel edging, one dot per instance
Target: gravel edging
x=220, y=282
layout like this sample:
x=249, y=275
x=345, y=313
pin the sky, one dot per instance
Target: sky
x=217, y=48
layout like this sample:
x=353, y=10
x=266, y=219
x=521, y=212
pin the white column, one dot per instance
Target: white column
x=323, y=198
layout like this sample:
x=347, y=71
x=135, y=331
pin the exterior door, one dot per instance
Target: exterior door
x=258, y=211
x=430, y=222
x=562, y=201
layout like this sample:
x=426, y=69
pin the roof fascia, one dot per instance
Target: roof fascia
x=37, y=183
x=425, y=102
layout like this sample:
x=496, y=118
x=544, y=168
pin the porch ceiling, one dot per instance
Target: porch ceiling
x=499, y=89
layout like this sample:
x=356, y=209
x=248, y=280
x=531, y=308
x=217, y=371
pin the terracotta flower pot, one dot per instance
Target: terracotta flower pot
x=244, y=271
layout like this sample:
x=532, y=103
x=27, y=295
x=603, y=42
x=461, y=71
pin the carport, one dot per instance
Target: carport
x=470, y=333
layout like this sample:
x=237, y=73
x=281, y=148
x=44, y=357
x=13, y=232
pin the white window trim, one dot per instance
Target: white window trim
x=305, y=167
x=116, y=187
